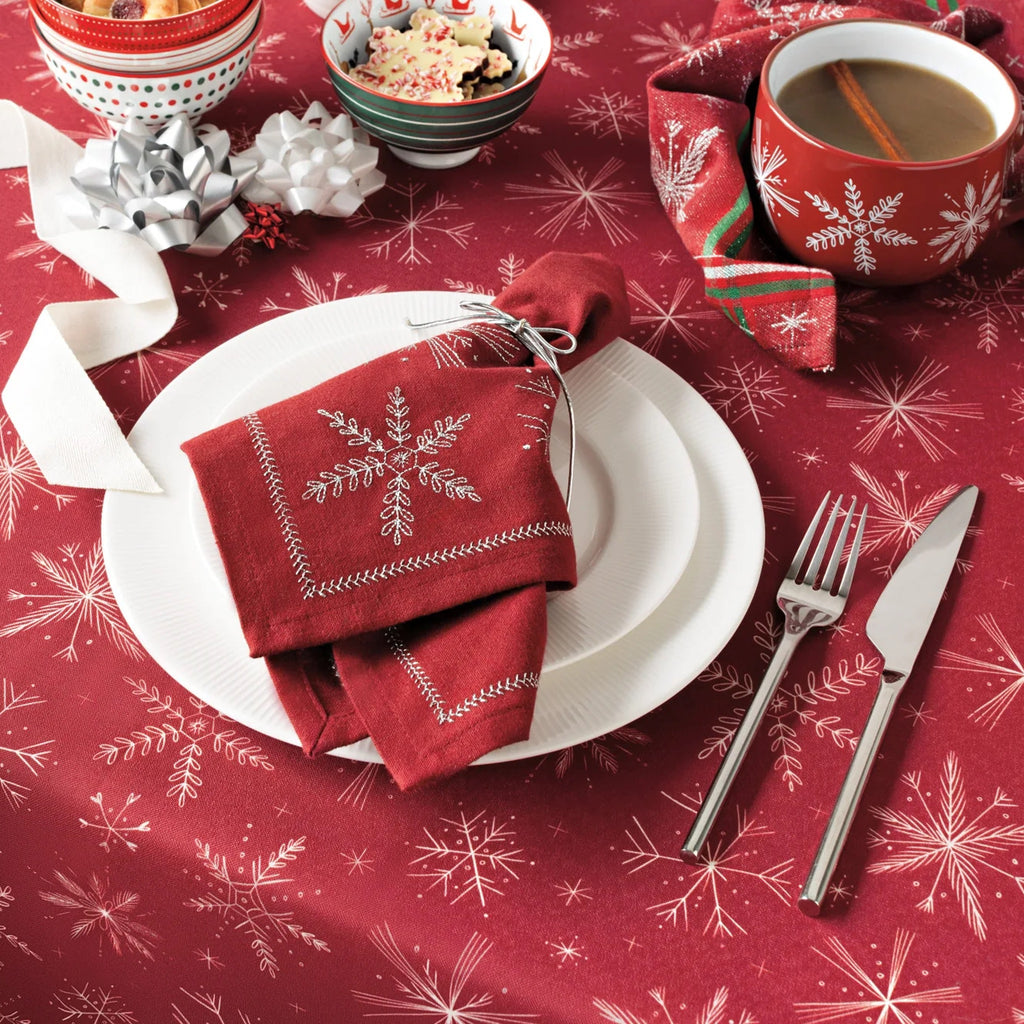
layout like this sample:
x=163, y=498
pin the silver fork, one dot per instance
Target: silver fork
x=807, y=602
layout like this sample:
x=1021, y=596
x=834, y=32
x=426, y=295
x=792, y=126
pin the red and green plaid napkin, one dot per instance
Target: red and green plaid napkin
x=701, y=163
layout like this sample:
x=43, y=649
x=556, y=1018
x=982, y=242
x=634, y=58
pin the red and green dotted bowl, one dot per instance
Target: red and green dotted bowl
x=436, y=134
x=153, y=98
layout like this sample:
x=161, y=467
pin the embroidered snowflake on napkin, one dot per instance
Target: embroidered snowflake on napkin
x=398, y=461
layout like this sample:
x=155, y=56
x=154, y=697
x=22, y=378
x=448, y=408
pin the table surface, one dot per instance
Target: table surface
x=160, y=863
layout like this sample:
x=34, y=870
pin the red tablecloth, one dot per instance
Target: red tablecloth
x=161, y=863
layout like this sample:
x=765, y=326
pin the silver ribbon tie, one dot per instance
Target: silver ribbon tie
x=175, y=187
x=534, y=341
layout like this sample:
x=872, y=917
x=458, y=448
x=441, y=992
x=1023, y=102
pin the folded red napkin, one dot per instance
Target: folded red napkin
x=699, y=127
x=390, y=535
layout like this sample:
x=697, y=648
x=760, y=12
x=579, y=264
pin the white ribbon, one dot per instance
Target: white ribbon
x=317, y=163
x=533, y=340
x=49, y=397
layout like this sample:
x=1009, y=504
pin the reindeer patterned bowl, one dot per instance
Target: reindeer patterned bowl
x=426, y=134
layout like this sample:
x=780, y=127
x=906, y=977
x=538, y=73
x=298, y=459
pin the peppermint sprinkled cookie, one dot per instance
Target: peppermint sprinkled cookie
x=436, y=59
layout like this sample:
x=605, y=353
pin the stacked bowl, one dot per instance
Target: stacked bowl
x=148, y=69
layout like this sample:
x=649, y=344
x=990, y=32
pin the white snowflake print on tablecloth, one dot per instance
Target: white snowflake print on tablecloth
x=99, y=907
x=809, y=704
x=213, y=292
x=211, y=1007
x=969, y=219
x=468, y=858
x=715, y=1011
x=603, y=753
x=670, y=318
x=196, y=726
x=767, y=166
x=677, y=164
x=851, y=319
x=358, y=790
x=716, y=881
x=166, y=358
x=992, y=303
x=403, y=458
x=898, y=516
x=1003, y=670
x=609, y=115
x=92, y=1004
x=901, y=407
x=956, y=841
x=242, y=900
x=748, y=390
x=860, y=226
x=7, y=938
x=876, y=988
x=81, y=596
x=266, y=62
x=24, y=759
x=18, y=476
x=50, y=258
x=414, y=227
x=423, y=993
x=563, y=46
x=666, y=42
x=314, y=293
x=113, y=824
x=578, y=199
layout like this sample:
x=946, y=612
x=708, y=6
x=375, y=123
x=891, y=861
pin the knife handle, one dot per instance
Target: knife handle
x=838, y=827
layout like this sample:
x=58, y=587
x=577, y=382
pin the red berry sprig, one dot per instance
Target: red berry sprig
x=265, y=224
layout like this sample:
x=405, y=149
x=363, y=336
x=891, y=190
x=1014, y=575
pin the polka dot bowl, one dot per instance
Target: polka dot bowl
x=421, y=133
x=153, y=97
x=132, y=35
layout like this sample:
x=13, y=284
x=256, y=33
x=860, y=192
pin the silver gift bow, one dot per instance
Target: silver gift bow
x=175, y=187
x=533, y=340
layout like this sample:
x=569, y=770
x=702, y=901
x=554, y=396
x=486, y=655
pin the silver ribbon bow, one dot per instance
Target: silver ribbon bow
x=175, y=187
x=534, y=341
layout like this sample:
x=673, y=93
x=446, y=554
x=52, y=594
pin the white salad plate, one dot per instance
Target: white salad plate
x=667, y=515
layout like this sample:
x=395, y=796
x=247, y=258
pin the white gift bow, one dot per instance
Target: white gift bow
x=54, y=406
x=318, y=163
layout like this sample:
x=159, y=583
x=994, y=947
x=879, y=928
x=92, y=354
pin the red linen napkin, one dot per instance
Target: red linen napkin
x=390, y=535
x=699, y=127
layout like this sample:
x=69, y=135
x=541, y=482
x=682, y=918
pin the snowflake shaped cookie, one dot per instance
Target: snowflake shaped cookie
x=399, y=458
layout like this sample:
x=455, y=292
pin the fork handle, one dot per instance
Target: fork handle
x=838, y=827
x=730, y=766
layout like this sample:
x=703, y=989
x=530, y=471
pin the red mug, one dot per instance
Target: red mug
x=873, y=221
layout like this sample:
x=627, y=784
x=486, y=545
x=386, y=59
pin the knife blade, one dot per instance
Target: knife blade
x=897, y=627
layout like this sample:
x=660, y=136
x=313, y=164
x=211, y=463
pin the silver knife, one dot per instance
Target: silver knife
x=897, y=626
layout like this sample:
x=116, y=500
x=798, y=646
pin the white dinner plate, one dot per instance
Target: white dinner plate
x=635, y=507
x=154, y=562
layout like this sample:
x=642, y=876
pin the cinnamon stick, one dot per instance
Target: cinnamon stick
x=866, y=111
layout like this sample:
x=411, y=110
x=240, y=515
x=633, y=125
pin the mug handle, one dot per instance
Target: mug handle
x=1012, y=208
x=1011, y=211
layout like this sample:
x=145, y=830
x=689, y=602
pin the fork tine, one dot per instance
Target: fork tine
x=811, y=573
x=844, y=585
x=805, y=543
x=832, y=568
